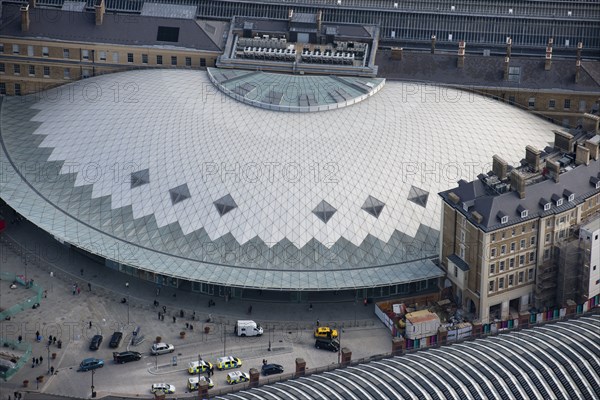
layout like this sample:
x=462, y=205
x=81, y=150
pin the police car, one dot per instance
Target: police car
x=228, y=362
x=196, y=367
x=194, y=382
x=237, y=377
x=163, y=387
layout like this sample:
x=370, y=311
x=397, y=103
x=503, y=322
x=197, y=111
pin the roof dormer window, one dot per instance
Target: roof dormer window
x=522, y=211
x=502, y=217
x=545, y=203
x=558, y=200
x=569, y=195
x=595, y=182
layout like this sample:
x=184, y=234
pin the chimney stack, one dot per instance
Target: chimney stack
x=533, y=158
x=579, y=49
x=548, y=63
x=508, y=47
x=577, y=70
x=290, y=14
x=582, y=155
x=506, y=65
x=319, y=16
x=499, y=167
x=432, y=44
x=25, y=18
x=32, y=3
x=100, y=8
x=517, y=183
x=563, y=141
x=397, y=53
x=461, y=54
x=553, y=170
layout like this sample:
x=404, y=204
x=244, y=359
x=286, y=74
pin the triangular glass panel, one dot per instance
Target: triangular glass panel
x=225, y=204
x=373, y=206
x=418, y=196
x=324, y=211
x=140, y=178
x=179, y=193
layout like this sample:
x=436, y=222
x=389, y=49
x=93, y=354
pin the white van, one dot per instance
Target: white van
x=248, y=328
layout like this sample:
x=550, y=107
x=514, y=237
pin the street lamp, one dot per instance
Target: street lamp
x=127, y=287
x=93, y=393
x=224, y=340
x=48, y=356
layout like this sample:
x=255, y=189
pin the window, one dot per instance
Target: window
x=67, y=73
x=115, y=57
x=524, y=214
x=501, y=266
x=16, y=49
x=203, y=62
x=582, y=105
x=532, y=256
x=523, y=229
x=167, y=34
x=501, y=283
x=551, y=103
x=567, y=104
x=17, y=69
x=503, y=235
x=173, y=60
x=102, y=56
x=521, y=276
x=512, y=246
x=1, y=47
x=66, y=53
x=546, y=254
x=17, y=89
x=504, y=219
x=571, y=197
x=463, y=236
x=2, y=68
x=493, y=252
x=493, y=237
x=2, y=88
x=46, y=71
x=533, y=226
x=562, y=234
x=30, y=51
x=491, y=286
x=530, y=274
x=45, y=52
x=455, y=271
x=548, y=237
x=85, y=54
x=511, y=280
x=559, y=202
x=531, y=102
x=503, y=249
x=514, y=232
x=86, y=73
x=492, y=268
x=511, y=263
x=31, y=70
x=159, y=60
x=129, y=57
x=562, y=220
x=532, y=241
x=144, y=58
x=514, y=75
x=522, y=244
x=546, y=206
x=521, y=260
x=188, y=61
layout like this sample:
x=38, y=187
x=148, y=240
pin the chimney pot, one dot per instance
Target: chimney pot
x=548, y=63
x=100, y=8
x=433, y=44
x=506, y=67
x=25, y=18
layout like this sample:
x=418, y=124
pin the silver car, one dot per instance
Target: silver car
x=162, y=348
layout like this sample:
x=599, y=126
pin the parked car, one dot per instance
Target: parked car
x=95, y=343
x=115, y=340
x=270, y=369
x=91, y=363
x=326, y=344
x=237, y=377
x=228, y=362
x=162, y=348
x=163, y=387
x=194, y=382
x=198, y=366
x=126, y=356
x=326, y=332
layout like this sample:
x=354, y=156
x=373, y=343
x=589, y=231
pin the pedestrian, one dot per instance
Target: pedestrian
x=45, y=294
x=50, y=339
x=36, y=360
x=157, y=291
x=187, y=325
x=51, y=370
x=164, y=309
x=310, y=307
x=78, y=290
x=37, y=334
x=212, y=370
x=20, y=338
x=32, y=362
x=54, y=340
x=250, y=310
x=74, y=288
x=174, y=319
x=365, y=301
x=318, y=323
x=194, y=316
x=41, y=359
x=81, y=271
x=90, y=325
x=191, y=327
x=9, y=397
x=89, y=286
x=159, y=315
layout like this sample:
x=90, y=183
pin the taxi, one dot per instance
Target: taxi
x=228, y=362
x=194, y=382
x=326, y=332
x=198, y=366
x=237, y=377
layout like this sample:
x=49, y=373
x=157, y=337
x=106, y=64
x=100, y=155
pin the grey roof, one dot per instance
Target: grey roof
x=304, y=18
x=488, y=71
x=554, y=361
x=168, y=10
x=490, y=205
x=275, y=25
x=74, y=6
x=129, y=29
x=459, y=262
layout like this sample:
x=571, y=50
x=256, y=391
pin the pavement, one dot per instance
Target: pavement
x=288, y=326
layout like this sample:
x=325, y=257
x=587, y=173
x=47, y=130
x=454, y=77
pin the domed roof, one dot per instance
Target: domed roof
x=163, y=161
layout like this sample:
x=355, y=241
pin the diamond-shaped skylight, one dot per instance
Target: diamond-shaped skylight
x=418, y=196
x=324, y=211
x=225, y=204
x=179, y=193
x=373, y=206
x=140, y=178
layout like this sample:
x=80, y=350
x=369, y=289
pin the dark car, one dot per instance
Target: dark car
x=115, y=340
x=326, y=344
x=270, y=369
x=126, y=356
x=95, y=343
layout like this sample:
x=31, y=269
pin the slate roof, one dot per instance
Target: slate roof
x=488, y=71
x=459, y=262
x=119, y=29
